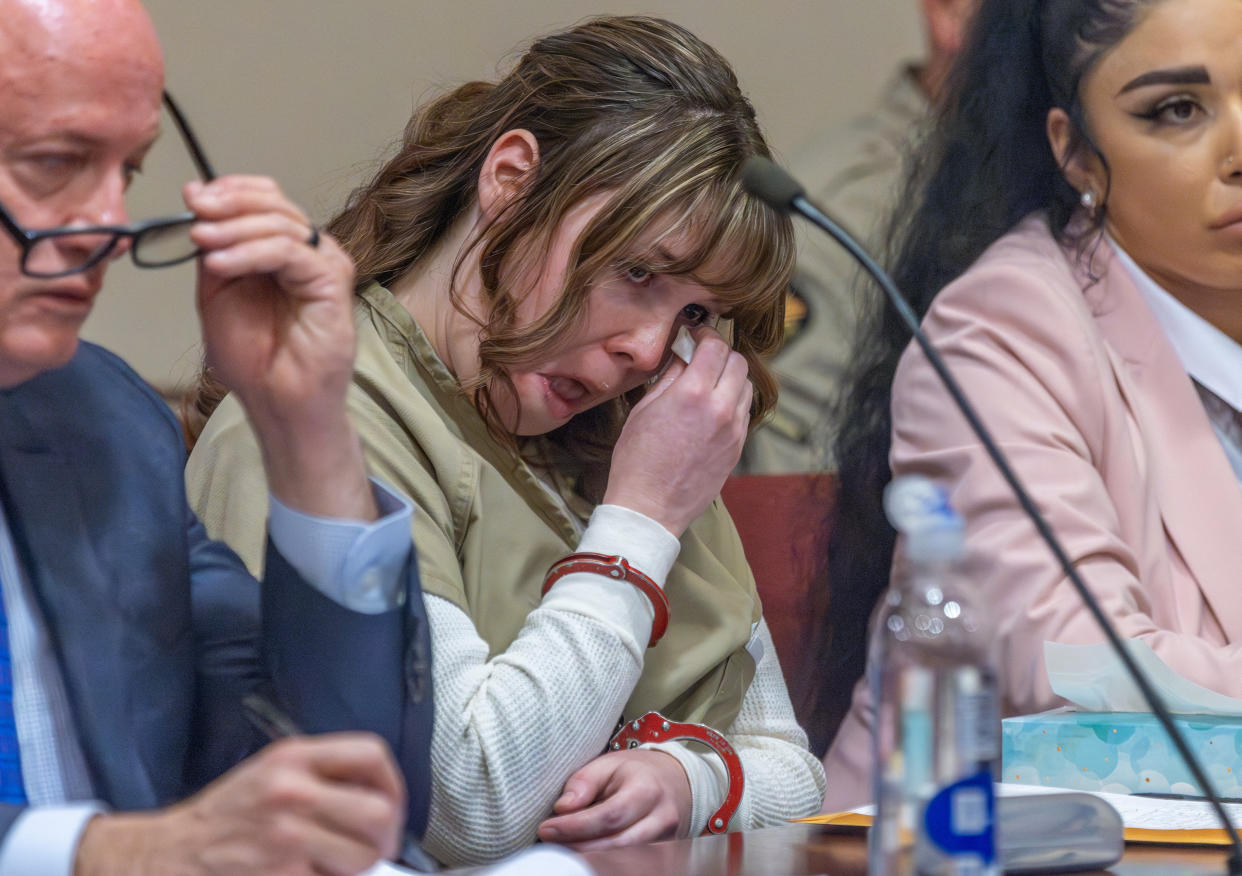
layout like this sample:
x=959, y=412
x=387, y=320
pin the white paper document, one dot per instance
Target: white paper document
x=1094, y=679
x=1144, y=813
x=539, y=861
x=386, y=868
x=1155, y=813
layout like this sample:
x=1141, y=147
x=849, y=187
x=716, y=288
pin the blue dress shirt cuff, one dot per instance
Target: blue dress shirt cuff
x=44, y=839
x=359, y=565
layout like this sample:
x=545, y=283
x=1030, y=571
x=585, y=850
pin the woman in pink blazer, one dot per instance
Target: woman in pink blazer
x=1076, y=247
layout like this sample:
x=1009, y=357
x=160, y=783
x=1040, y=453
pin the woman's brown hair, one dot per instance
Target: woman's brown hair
x=635, y=107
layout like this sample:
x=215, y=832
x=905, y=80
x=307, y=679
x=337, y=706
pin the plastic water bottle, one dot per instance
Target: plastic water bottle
x=937, y=727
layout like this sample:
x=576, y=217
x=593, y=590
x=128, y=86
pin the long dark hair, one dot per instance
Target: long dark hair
x=986, y=165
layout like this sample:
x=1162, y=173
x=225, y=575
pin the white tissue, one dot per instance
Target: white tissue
x=1093, y=678
x=684, y=345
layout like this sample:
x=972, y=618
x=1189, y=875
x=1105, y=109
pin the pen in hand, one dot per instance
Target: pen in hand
x=269, y=719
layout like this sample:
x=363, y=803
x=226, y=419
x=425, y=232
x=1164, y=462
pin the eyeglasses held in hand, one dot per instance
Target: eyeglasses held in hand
x=154, y=243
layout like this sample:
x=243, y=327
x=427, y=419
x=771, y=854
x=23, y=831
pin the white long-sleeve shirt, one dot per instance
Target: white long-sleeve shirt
x=511, y=728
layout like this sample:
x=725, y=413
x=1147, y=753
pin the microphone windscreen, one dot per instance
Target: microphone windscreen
x=768, y=182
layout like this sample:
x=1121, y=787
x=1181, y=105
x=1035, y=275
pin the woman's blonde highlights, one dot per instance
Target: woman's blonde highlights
x=634, y=107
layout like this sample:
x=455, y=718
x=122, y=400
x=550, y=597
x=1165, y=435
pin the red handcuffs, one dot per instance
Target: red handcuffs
x=620, y=569
x=654, y=727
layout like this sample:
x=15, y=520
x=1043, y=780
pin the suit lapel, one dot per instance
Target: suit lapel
x=1196, y=490
x=76, y=595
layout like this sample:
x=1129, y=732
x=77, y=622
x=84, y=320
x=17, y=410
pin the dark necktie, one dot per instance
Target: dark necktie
x=12, y=789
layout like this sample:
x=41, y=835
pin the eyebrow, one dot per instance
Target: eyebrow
x=86, y=140
x=1172, y=76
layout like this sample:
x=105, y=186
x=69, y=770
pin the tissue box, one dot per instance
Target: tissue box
x=1120, y=752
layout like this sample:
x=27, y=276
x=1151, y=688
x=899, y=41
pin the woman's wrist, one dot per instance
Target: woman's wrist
x=652, y=511
x=644, y=542
x=615, y=568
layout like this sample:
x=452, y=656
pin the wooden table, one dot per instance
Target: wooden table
x=809, y=849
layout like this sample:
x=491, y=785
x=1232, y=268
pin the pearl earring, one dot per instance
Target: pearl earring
x=1088, y=199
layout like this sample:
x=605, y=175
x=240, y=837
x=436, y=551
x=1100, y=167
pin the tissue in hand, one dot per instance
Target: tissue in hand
x=684, y=345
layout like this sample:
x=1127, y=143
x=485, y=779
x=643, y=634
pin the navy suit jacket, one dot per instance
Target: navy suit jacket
x=159, y=630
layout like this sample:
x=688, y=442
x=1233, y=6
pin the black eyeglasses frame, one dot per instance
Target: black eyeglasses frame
x=27, y=239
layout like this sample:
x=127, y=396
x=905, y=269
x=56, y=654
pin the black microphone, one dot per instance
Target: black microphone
x=780, y=191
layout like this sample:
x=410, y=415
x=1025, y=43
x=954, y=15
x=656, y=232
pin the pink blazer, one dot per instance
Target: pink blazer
x=1093, y=407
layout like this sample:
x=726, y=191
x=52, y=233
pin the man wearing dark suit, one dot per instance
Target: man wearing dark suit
x=127, y=638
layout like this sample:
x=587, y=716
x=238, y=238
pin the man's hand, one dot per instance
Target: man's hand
x=331, y=804
x=278, y=330
x=621, y=798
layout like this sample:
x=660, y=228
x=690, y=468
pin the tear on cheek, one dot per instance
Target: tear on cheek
x=684, y=345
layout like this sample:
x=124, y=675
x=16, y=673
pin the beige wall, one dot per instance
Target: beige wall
x=313, y=92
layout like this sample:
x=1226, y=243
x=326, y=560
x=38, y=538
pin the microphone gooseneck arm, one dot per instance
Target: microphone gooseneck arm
x=772, y=185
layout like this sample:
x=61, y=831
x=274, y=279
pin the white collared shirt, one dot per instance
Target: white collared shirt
x=1211, y=358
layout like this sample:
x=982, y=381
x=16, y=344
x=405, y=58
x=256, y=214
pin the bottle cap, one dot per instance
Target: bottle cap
x=920, y=511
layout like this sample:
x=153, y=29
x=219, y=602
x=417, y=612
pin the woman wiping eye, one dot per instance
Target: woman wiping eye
x=515, y=379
